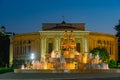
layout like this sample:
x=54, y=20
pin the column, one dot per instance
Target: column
x=116, y=48
x=36, y=48
x=90, y=42
x=56, y=44
x=83, y=45
x=86, y=44
x=43, y=46
x=59, y=45
x=11, y=53
x=95, y=43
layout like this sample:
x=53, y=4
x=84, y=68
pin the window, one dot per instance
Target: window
x=78, y=47
x=99, y=42
x=29, y=49
x=104, y=42
x=50, y=47
x=29, y=42
x=110, y=50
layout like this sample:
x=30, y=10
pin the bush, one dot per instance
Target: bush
x=4, y=70
x=112, y=64
x=102, y=52
x=115, y=67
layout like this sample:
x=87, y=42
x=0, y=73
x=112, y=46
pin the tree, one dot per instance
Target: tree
x=95, y=51
x=117, y=28
x=102, y=52
x=112, y=63
x=104, y=55
x=4, y=50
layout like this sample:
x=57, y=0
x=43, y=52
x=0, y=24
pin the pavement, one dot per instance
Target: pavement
x=59, y=76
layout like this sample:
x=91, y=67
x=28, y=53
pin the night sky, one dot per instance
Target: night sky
x=23, y=16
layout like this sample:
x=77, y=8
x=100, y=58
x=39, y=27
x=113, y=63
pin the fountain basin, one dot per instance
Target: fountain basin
x=67, y=71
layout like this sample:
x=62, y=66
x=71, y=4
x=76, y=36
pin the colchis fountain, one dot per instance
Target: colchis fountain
x=67, y=59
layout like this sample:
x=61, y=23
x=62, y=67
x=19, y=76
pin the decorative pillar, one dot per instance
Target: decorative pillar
x=95, y=43
x=36, y=47
x=11, y=53
x=43, y=46
x=90, y=43
x=56, y=44
x=86, y=44
x=116, y=49
x=59, y=44
x=83, y=46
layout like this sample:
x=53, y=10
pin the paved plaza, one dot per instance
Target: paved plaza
x=59, y=76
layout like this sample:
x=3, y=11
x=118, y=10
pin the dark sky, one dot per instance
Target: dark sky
x=22, y=16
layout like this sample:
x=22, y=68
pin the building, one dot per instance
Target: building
x=50, y=38
x=4, y=47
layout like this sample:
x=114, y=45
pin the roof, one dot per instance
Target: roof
x=63, y=26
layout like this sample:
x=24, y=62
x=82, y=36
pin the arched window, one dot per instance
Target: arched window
x=29, y=42
x=104, y=42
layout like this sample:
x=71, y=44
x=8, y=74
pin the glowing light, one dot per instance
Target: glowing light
x=32, y=56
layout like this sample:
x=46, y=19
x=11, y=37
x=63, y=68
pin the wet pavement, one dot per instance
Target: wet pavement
x=59, y=76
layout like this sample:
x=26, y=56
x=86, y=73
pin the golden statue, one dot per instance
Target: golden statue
x=71, y=36
x=65, y=35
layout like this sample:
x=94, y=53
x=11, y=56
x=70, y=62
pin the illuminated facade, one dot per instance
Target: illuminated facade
x=50, y=38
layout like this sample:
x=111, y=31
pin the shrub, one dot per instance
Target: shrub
x=4, y=70
x=102, y=52
x=112, y=64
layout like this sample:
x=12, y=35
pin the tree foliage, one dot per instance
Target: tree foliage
x=102, y=52
x=112, y=63
x=117, y=28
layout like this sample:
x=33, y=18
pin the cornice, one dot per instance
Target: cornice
x=102, y=34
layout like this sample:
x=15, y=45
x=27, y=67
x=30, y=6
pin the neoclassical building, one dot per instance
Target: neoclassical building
x=51, y=37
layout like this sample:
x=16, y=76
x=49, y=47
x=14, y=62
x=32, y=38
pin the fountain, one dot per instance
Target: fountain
x=68, y=59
